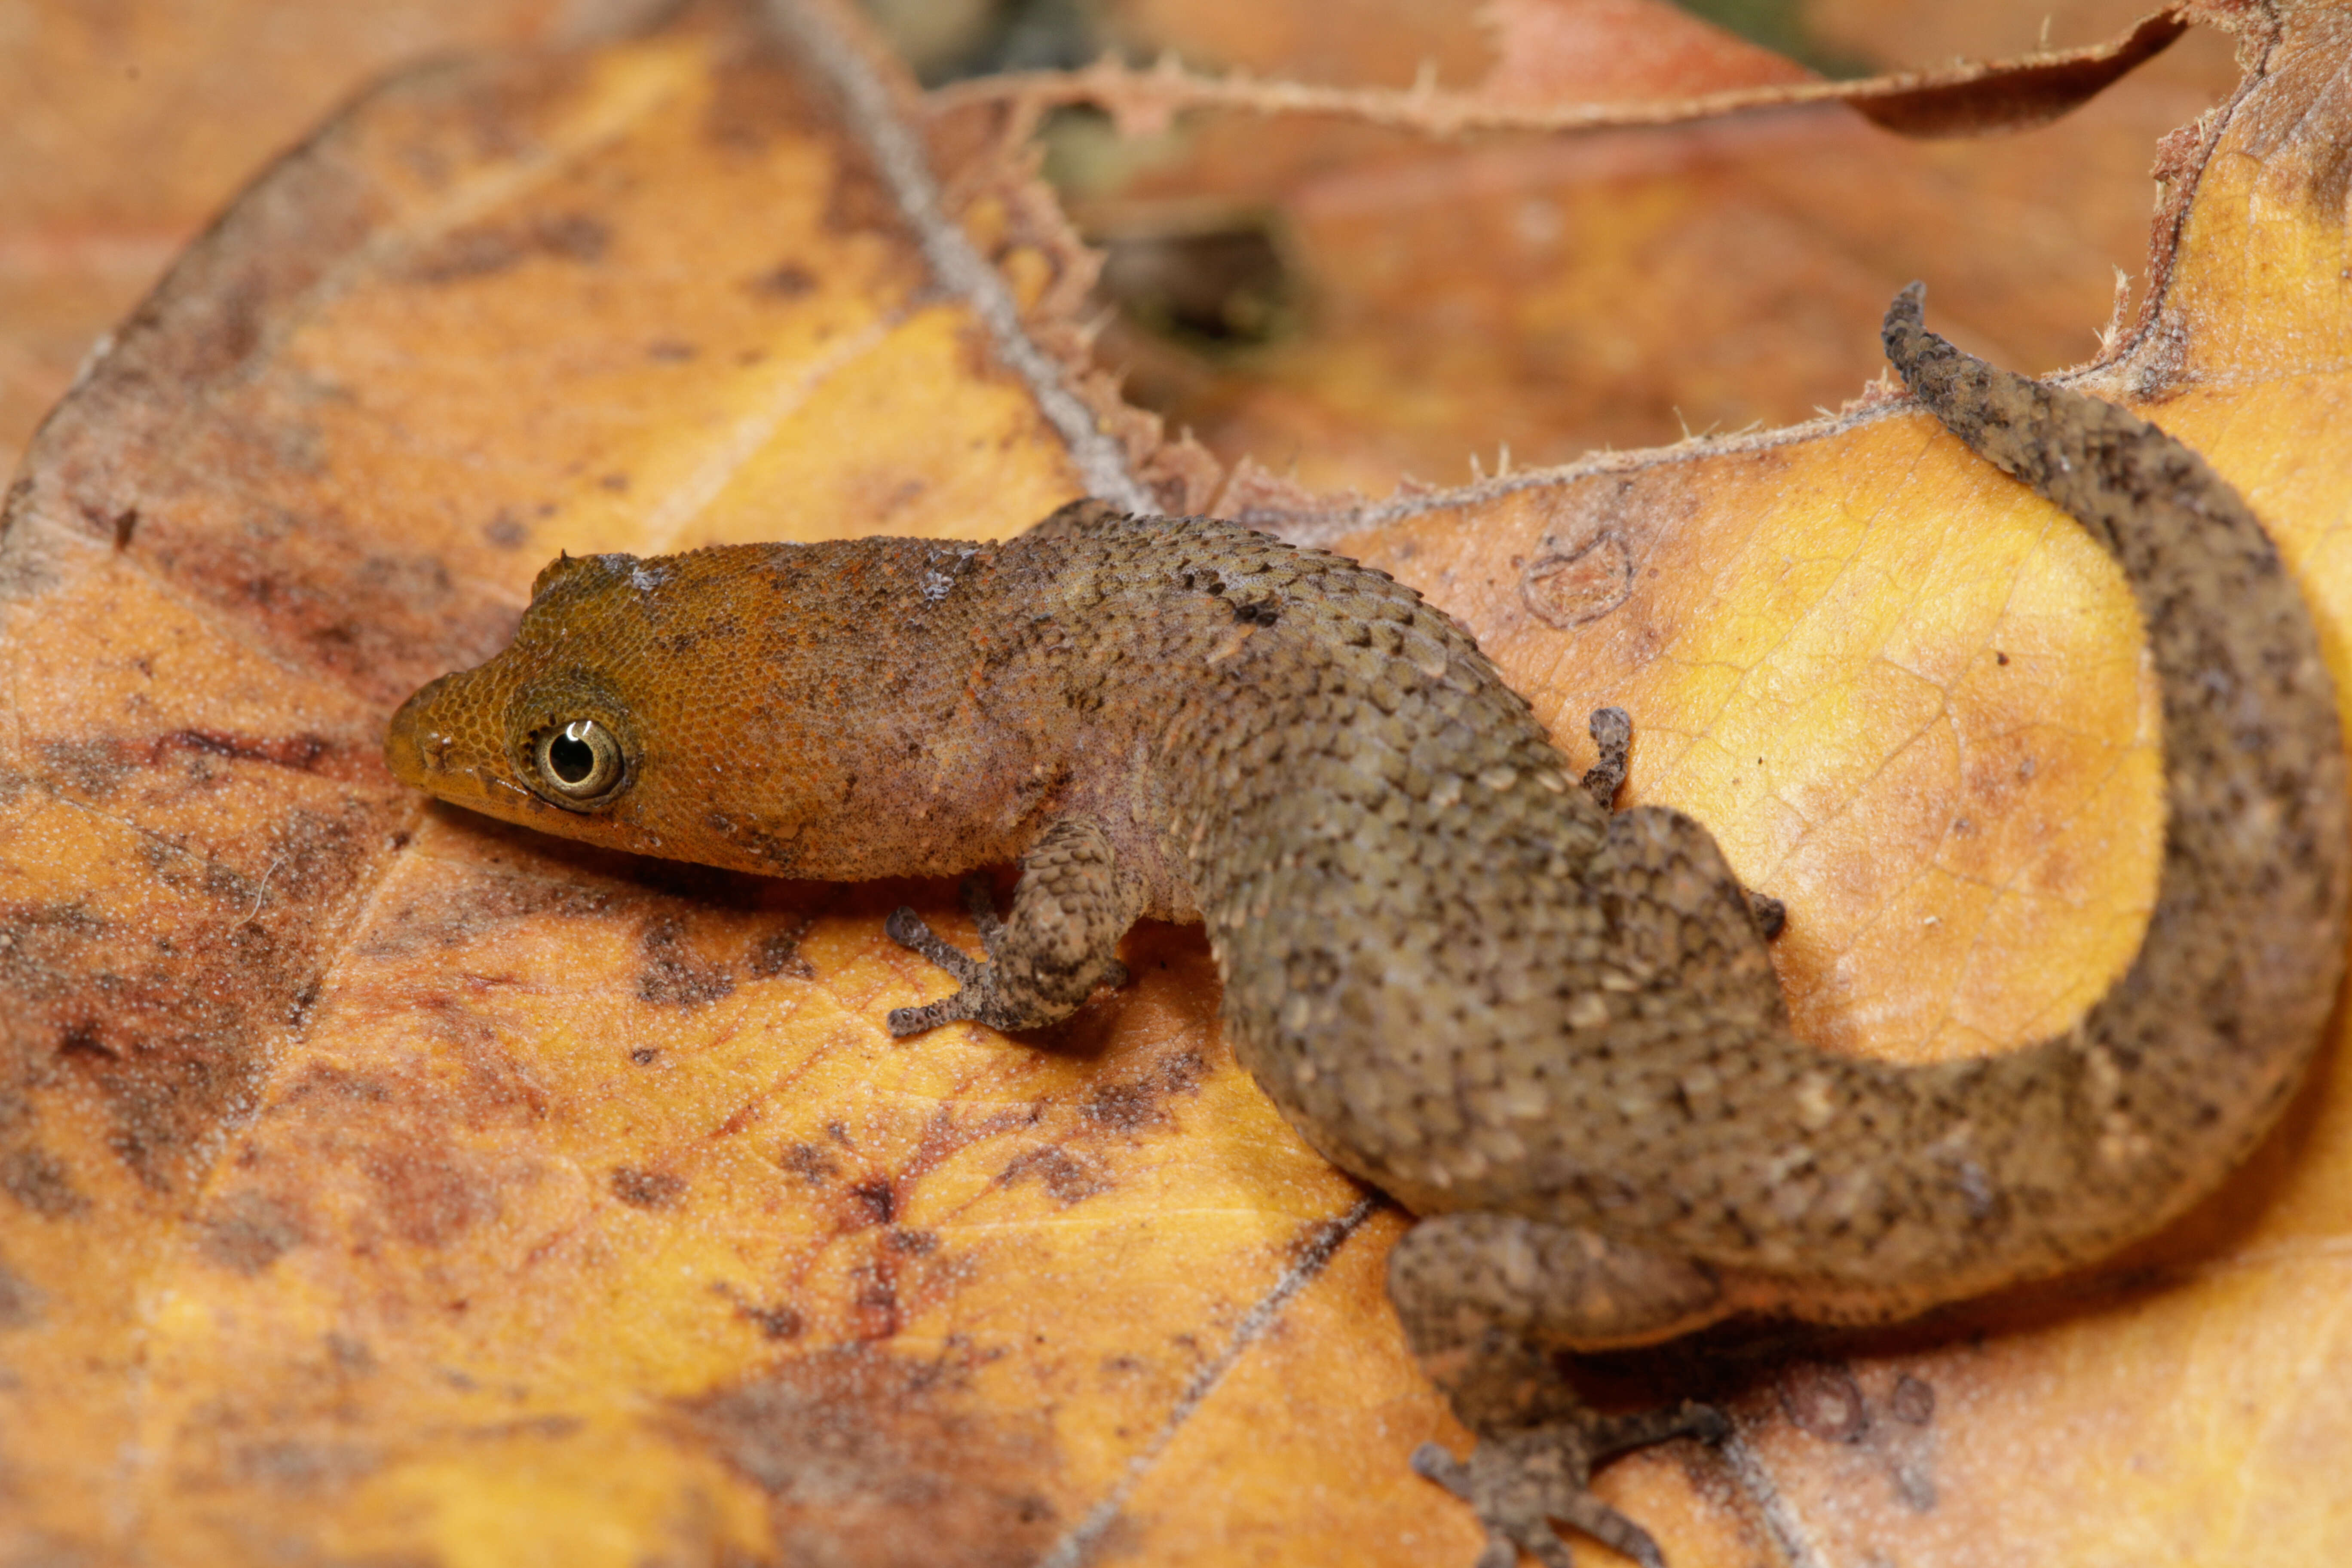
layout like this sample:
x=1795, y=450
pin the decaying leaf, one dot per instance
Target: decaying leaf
x=130, y=124
x=383, y=1184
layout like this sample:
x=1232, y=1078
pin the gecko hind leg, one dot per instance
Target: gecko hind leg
x=1612, y=733
x=1059, y=943
x=1484, y=1299
x=1518, y=1482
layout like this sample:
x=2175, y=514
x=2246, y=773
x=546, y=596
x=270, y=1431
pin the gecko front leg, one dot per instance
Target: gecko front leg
x=1060, y=942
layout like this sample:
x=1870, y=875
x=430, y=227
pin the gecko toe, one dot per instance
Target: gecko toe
x=1523, y=1484
x=972, y=991
x=1432, y=1463
x=905, y=928
x=1612, y=732
x=980, y=903
x=1501, y=1552
x=905, y=1021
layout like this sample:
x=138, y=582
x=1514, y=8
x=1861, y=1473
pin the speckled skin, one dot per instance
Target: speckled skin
x=1551, y=1030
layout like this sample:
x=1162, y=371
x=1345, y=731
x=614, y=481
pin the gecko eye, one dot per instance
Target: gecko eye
x=580, y=761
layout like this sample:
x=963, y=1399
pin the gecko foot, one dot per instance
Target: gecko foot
x=1047, y=957
x=981, y=993
x=1519, y=1481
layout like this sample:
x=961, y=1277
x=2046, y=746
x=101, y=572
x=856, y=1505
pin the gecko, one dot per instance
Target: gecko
x=1549, y=1029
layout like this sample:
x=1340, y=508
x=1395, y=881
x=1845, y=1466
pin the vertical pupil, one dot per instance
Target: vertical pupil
x=571, y=761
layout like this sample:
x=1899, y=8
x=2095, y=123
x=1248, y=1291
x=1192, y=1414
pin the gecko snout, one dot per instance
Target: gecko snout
x=408, y=740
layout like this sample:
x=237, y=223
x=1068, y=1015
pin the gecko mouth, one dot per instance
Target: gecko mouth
x=423, y=752
x=403, y=737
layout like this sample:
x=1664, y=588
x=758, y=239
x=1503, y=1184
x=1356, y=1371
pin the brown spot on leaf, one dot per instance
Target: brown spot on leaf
x=436, y=919
x=1068, y=1181
x=779, y=953
x=789, y=281
x=166, y=991
x=39, y=1180
x=505, y=531
x=673, y=975
x=425, y=1195
x=249, y=1231
x=1121, y=1107
x=879, y=1203
x=870, y=1459
x=20, y=1301
x=83, y=1040
x=644, y=1189
x=338, y=1084
x=1124, y=1106
x=773, y=1323
x=299, y=752
x=809, y=1163
x=296, y=1465
x=484, y=249
x=94, y=769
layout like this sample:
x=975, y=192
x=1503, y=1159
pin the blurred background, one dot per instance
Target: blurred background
x=1348, y=305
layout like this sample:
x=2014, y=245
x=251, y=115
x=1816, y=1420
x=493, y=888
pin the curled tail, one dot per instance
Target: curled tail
x=2066, y=1149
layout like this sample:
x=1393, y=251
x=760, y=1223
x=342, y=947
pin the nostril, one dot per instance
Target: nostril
x=409, y=745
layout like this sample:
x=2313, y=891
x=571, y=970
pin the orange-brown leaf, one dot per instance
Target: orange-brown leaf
x=380, y=1184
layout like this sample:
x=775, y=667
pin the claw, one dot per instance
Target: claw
x=1707, y=1424
x=1432, y=1463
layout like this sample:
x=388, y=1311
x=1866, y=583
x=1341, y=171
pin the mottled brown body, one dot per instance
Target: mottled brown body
x=1552, y=1030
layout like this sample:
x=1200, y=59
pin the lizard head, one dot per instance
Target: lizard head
x=552, y=728
x=733, y=706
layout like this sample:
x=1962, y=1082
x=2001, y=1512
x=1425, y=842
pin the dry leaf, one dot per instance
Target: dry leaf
x=130, y=124
x=382, y=1183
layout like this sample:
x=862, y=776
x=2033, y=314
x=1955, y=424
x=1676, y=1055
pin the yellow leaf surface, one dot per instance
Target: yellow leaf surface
x=129, y=124
x=383, y=1184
